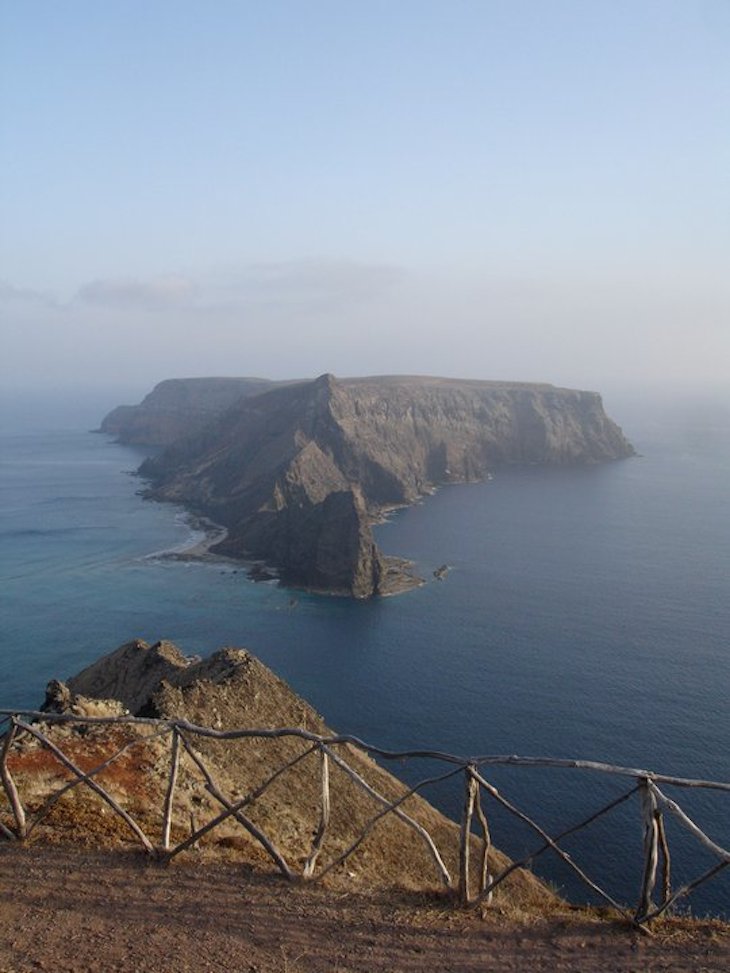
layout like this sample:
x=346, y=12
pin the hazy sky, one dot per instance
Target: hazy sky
x=527, y=189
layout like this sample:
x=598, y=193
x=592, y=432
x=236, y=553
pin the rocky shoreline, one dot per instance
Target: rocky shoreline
x=198, y=549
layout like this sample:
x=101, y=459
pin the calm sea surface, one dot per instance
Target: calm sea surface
x=586, y=614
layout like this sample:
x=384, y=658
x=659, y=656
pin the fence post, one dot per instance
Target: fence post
x=486, y=845
x=9, y=784
x=169, y=794
x=666, y=860
x=324, y=815
x=470, y=794
x=651, y=847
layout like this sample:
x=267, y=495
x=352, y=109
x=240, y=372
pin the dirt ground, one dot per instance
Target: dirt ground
x=69, y=909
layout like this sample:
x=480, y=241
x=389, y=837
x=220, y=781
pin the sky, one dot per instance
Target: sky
x=535, y=190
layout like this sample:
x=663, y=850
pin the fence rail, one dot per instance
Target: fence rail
x=472, y=886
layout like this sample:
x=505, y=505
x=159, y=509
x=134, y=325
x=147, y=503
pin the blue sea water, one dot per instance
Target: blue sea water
x=585, y=615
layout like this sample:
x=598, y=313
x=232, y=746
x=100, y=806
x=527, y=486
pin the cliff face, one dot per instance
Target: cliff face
x=403, y=435
x=177, y=407
x=298, y=473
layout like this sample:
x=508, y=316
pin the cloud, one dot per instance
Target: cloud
x=307, y=285
x=157, y=293
x=23, y=297
x=318, y=283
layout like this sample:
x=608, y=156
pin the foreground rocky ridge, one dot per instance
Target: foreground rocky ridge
x=299, y=473
x=230, y=690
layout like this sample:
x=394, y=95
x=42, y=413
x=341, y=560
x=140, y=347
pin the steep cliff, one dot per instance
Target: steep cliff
x=298, y=473
x=177, y=407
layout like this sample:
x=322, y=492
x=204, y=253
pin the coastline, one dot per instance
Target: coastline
x=197, y=548
x=399, y=576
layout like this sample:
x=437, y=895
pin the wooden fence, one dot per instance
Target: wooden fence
x=472, y=886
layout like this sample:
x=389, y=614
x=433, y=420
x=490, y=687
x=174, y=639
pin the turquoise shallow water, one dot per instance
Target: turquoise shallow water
x=585, y=615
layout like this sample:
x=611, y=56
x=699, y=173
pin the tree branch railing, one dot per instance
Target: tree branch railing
x=470, y=890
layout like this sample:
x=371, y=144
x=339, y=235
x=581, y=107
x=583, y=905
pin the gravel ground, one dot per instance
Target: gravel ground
x=69, y=909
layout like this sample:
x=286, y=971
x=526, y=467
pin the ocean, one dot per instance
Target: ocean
x=585, y=614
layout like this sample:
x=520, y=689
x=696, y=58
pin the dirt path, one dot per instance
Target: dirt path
x=65, y=909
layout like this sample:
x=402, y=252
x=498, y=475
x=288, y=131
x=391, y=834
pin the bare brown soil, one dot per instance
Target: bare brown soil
x=75, y=910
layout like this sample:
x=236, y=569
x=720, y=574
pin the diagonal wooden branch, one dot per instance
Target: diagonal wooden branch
x=91, y=783
x=406, y=818
x=689, y=824
x=323, y=819
x=249, y=799
x=388, y=809
x=686, y=889
x=231, y=810
x=546, y=846
x=9, y=784
x=95, y=771
x=551, y=843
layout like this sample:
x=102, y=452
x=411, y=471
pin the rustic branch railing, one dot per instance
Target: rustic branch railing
x=469, y=892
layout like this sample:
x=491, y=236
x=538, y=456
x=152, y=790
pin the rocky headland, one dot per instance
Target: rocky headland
x=230, y=690
x=298, y=473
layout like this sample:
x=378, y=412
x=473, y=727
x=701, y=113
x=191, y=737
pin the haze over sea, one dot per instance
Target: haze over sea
x=586, y=614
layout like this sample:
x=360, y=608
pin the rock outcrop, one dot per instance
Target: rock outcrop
x=131, y=674
x=299, y=473
x=177, y=407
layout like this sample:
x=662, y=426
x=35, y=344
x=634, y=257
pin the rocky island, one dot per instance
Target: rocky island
x=299, y=472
